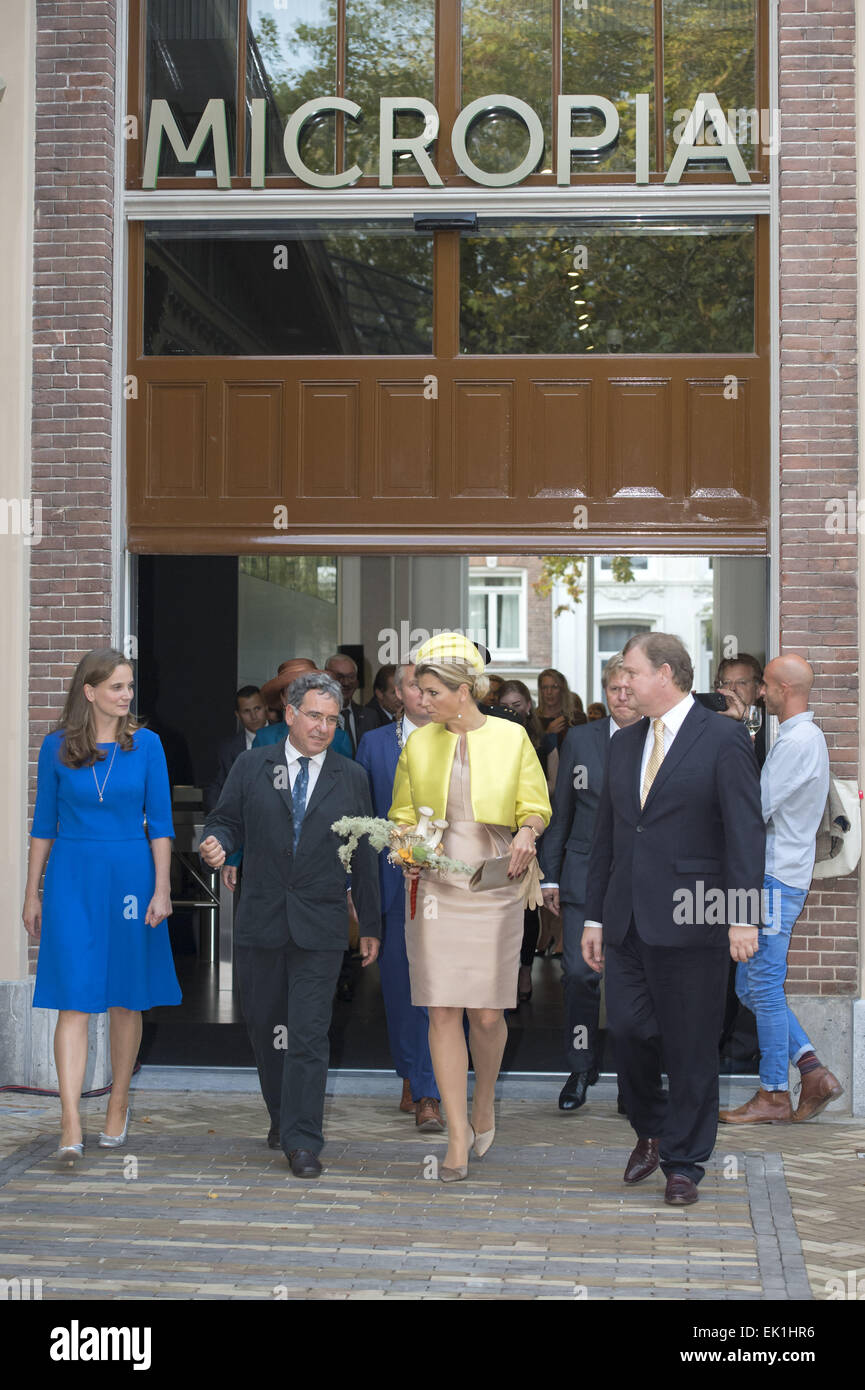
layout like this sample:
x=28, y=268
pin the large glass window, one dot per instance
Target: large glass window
x=648, y=287
x=287, y=289
x=535, y=50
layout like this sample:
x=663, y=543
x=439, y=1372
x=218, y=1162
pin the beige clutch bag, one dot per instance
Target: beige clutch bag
x=493, y=873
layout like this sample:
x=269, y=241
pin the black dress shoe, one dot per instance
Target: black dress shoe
x=680, y=1191
x=304, y=1164
x=273, y=1137
x=573, y=1093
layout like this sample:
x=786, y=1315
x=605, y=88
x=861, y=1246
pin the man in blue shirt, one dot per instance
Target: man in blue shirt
x=794, y=785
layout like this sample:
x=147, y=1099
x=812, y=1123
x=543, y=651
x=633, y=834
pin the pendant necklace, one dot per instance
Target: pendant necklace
x=101, y=789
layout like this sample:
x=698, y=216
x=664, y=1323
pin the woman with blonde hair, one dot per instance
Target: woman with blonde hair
x=102, y=916
x=483, y=776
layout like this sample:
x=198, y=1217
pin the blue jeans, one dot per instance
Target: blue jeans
x=760, y=986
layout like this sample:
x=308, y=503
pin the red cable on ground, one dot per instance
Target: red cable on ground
x=85, y=1095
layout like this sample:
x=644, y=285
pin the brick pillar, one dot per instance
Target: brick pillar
x=818, y=605
x=70, y=591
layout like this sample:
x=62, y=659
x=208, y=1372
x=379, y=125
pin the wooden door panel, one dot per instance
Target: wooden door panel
x=717, y=451
x=329, y=439
x=483, y=432
x=497, y=456
x=176, y=413
x=560, y=422
x=639, y=429
x=252, y=448
x=404, y=440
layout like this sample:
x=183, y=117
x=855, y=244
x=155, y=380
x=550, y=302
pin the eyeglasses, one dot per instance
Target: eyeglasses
x=736, y=685
x=331, y=720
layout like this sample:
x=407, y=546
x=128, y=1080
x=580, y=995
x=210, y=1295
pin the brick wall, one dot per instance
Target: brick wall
x=70, y=591
x=818, y=423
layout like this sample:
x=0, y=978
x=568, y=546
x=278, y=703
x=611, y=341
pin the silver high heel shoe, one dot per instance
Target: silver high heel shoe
x=70, y=1153
x=457, y=1174
x=115, y=1141
x=484, y=1142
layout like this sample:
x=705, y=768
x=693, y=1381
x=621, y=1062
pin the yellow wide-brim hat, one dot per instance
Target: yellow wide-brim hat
x=448, y=647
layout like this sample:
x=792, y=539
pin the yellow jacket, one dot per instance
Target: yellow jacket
x=507, y=784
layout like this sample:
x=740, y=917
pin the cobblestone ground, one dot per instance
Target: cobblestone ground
x=197, y=1207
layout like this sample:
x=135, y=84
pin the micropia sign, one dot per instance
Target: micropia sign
x=213, y=124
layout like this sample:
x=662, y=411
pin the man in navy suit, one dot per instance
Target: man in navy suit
x=564, y=854
x=673, y=891
x=407, y=1026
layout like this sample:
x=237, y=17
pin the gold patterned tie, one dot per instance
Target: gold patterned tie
x=656, y=757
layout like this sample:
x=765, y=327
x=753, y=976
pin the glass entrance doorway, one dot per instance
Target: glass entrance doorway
x=209, y=627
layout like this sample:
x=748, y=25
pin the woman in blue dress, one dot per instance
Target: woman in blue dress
x=104, y=938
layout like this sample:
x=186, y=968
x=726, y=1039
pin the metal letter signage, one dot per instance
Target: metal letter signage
x=213, y=123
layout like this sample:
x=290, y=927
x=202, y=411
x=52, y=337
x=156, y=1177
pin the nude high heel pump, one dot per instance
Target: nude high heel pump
x=484, y=1142
x=457, y=1174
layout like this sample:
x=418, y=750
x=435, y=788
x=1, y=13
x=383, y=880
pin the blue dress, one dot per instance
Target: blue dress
x=96, y=949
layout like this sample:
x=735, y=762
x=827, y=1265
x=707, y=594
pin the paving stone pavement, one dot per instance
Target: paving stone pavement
x=197, y=1207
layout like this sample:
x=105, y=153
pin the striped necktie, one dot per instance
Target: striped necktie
x=298, y=797
x=656, y=757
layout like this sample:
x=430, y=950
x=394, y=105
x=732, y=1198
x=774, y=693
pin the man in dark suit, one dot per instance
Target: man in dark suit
x=564, y=856
x=279, y=803
x=251, y=712
x=385, y=704
x=673, y=891
x=407, y=1024
x=343, y=669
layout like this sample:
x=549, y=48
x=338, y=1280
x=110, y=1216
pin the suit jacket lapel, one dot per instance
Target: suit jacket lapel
x=690, y=730
x=275, y=769
x=324, y=784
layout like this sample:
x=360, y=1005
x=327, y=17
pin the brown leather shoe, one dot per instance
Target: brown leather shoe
x=643, y=1161
x=818, y=1088
x=406, y=1104
x=428, y=1116
x=764, y=1108
x=680, y=1191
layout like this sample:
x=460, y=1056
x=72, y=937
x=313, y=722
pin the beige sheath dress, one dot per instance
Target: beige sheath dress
x=464, y=948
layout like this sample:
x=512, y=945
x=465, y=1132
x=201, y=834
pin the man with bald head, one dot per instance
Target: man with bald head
x=794, y=785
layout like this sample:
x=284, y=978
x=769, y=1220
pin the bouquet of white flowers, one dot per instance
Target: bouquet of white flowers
x=408, y=846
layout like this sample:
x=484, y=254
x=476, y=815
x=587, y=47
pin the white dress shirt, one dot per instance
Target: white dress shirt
x=407, y=728
x=673, y=721
x=250, y=737
x=316, y=763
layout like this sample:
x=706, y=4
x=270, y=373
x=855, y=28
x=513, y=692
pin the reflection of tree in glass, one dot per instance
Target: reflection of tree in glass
x=709, y=48
x=608, y=49
x=288, y=65
x=663, y=293
x=507, y=48
x=390, y=51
